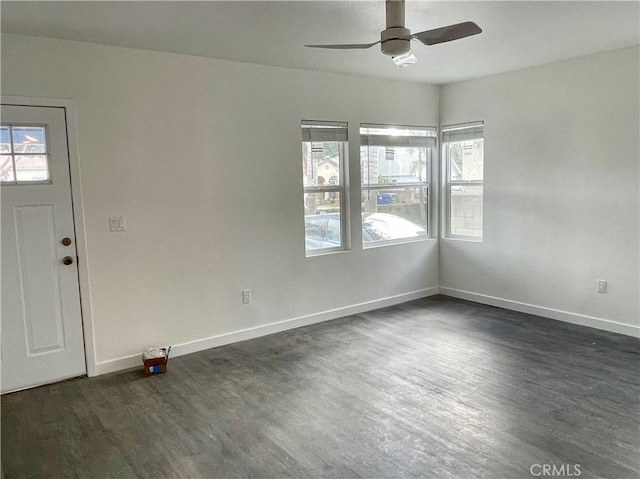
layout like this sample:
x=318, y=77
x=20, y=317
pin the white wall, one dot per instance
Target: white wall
x=203, y=157
x=561, y=202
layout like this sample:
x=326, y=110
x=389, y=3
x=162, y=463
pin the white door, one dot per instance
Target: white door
x=42, y=338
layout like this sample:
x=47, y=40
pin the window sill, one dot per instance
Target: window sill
x=381, y=244
x=326, y=252
x=462, y=238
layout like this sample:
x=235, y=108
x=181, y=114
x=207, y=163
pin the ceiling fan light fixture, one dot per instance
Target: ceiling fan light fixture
x=405, y=60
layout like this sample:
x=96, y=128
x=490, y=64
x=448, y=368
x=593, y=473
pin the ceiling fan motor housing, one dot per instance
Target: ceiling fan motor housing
x=395, y=41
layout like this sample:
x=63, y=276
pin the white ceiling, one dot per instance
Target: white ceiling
x=516, y=34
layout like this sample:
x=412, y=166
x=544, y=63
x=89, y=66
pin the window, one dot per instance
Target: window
x=324, y=153
x=395, y=164
x=463, y=156
x=23, y=154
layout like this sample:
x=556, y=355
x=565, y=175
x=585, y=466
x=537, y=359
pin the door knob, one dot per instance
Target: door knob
x=66, y=241
x=67, y=260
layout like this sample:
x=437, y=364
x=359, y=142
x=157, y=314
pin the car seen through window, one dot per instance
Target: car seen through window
x=323, y=230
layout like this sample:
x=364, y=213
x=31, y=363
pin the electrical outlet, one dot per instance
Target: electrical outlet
x=601, y=286
x=246, y=296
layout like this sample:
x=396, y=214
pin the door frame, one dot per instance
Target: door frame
x=78, y=215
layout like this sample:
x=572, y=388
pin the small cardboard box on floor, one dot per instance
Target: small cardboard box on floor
x=155, y=360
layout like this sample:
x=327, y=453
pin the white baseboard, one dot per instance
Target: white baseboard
x=134, y=360
x=581, y=319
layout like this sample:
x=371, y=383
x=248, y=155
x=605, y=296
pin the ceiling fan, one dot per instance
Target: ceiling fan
x=395, y=39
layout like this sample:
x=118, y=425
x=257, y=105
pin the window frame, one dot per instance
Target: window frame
x=13, y=155
x=426, y=183
x=340, y=188
x=448, y=183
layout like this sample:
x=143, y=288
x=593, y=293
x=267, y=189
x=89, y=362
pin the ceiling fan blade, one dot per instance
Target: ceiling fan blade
x=345, y=46
x=448, y=33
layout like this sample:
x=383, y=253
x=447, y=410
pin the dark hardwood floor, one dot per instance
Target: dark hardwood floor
x=436, y=388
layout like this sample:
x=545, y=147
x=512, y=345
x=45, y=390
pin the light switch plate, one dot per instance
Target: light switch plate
x=117, y=224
